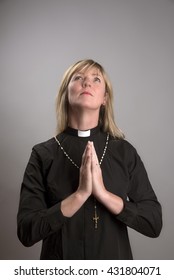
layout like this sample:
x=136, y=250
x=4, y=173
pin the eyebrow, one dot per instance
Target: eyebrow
x=96, y=74
x=93, y=74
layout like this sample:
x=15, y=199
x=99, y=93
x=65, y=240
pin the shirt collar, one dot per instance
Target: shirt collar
x=82, y=133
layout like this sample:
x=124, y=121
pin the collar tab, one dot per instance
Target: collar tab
x=84, y=133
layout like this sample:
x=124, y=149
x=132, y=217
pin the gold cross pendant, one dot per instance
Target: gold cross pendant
x=95, y=219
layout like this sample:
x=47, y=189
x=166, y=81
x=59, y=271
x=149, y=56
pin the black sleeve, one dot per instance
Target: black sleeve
x=142, y=211
x=35, y=220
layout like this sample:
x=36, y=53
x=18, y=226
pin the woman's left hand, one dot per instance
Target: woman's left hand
x=111, y=201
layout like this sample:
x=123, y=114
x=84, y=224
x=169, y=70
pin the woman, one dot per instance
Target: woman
x=82, y=188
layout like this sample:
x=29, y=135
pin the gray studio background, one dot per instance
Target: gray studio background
x=134, y=41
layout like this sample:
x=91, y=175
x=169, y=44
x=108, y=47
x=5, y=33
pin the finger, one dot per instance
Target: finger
x=86, y=154
x=94, y=155
x=87, y=163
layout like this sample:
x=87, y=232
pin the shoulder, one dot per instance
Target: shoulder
x=124, y=151
x=122, y=146
x=45, y=149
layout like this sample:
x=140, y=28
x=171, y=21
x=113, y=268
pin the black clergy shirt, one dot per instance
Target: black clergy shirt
x=50, y=177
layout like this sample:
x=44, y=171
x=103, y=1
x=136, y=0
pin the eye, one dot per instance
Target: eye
x=78, y=77
x=97, y=79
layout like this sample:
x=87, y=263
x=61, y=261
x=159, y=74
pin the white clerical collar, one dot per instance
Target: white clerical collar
x=84, y=133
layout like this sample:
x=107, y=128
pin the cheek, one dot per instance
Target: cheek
x=102, y=94
x=72, y=89
x=72, y=93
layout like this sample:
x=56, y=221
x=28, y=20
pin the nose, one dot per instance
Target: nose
x=86, y=82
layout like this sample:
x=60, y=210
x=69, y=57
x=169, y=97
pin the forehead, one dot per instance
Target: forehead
x=94, y=71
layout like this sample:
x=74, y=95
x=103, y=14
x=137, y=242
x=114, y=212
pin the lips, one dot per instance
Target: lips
x=86, y=93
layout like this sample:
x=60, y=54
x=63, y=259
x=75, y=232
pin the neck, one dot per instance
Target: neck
x=83, y=120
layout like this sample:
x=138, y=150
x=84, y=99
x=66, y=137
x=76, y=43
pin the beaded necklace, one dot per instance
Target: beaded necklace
x=70, y=159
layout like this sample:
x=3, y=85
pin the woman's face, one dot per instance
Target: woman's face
x=86, y=89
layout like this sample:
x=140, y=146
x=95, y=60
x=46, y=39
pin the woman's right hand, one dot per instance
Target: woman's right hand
x=85, y=180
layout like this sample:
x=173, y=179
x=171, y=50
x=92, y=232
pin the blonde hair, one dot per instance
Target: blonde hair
x=106, y=116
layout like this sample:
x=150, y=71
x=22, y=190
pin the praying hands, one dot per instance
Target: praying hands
x=91, y=183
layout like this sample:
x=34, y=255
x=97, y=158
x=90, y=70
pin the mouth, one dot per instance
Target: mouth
x=86, y=93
